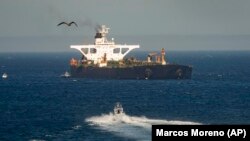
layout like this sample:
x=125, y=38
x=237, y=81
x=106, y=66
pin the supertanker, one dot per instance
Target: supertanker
x=106, y=60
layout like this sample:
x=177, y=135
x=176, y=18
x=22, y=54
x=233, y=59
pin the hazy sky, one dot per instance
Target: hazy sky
x=39, y=18
x=126, y=17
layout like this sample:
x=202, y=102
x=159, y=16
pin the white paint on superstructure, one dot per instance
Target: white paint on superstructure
x=103, y=47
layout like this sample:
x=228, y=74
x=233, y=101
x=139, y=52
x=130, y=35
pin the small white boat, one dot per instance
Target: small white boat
x=5, y=75
x=66, y=74
x=118, y=109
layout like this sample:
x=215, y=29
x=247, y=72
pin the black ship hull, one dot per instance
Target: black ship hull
x=169, y=71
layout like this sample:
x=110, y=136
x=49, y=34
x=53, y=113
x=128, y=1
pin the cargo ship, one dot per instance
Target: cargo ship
x=106, y=60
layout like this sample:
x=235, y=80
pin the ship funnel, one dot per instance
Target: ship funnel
x=163, y=62
x=101, y=31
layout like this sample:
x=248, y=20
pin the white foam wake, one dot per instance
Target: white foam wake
x=138, y=128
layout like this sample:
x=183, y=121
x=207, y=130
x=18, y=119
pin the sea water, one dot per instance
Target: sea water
x=37, y=104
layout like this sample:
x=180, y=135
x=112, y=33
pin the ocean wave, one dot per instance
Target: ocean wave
x=138, y=128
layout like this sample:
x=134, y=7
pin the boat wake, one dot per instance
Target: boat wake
x=138, y=128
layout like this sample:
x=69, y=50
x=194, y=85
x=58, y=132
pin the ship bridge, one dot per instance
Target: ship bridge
x=104, y=49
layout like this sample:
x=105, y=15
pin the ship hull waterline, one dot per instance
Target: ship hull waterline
x=169, y=71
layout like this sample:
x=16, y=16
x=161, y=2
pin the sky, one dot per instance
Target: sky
x=39, y=18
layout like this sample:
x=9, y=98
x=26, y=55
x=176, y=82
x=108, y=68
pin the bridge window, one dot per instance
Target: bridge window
x=116, y=50
x=92, y=50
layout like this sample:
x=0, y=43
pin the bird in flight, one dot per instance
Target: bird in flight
x=68, y=24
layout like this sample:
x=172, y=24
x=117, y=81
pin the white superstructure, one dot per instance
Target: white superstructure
x=103, y=50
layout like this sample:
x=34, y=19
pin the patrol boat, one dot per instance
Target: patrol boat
x=106, y=60
x=66, y=75
x=118, y=109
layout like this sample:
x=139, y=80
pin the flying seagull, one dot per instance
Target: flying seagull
x=68, y=24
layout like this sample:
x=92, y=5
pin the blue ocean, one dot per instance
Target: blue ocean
x=37, y=104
